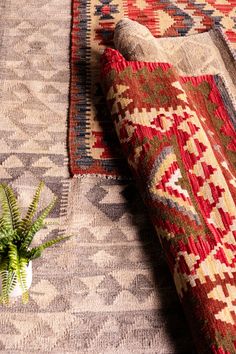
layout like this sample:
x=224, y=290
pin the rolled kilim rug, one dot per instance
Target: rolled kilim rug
x=178, y=136
x=205, y=53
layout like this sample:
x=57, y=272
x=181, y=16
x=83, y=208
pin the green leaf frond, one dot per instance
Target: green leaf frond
x=4, y=299
x=25, y=297
x=32, y=209
x=13, y=257
x=37, y=251
x=18, y=265
x=10, y=218
x=4, y=240
x=23, y=279
x=36, y=226
x=9, y=280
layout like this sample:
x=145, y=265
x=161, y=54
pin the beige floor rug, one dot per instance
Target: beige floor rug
x=34, y=78
x=107, y=289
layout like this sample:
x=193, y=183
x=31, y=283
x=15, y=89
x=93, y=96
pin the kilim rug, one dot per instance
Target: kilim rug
x=106, y=290
x=34, y=77
x=178, y=136
x=93, y=146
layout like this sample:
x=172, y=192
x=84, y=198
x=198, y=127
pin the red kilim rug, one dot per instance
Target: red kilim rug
x=93, y=145
x=178, y=136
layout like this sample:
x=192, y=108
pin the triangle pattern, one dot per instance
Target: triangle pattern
x=165, y=186
x=12, y=162
x=44, y=162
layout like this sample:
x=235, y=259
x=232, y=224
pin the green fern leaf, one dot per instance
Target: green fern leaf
x=4, y=263
x=13, y=257
x=11, y=282
x=6, y=234
x=25, y=297
x=27, y=220
x=10, y=218
x=37, y=251
x=23, y=279
x=4, y=294
x=8, y=280
x=13, y=270
x=1, y=223
x=36, y=226
x=53, y=242
x=18, y=265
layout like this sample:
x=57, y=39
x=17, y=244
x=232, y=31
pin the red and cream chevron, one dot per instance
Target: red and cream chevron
x=179, y=138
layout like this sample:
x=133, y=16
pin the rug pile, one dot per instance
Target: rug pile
x=178, y=136
x=108, y=288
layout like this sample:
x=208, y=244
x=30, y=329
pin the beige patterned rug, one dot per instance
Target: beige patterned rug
x=106, y=290
x=34, y=76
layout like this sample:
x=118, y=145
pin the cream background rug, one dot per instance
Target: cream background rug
x=34, y=78
x=107, y=289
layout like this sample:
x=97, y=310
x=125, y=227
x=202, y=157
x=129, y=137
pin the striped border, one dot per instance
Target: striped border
x=81, y=161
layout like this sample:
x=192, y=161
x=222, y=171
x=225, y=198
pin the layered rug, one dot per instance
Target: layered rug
x=93, y=144
x=107, y=289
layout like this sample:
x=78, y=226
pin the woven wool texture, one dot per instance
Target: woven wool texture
x=93, y=143
x=178, y=136
x=105, y=290
x=34, y=79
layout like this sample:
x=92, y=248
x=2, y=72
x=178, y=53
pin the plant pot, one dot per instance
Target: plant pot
x=17, y=291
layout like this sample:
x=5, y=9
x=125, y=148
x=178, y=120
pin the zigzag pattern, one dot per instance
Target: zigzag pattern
x=34, y=81
x=103, y=286
x=182, y=160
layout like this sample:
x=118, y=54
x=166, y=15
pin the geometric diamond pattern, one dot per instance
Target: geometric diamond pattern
x=103, y=197
x=218, y=294
x=34, y=83
x=168, y=127
x=97, y=290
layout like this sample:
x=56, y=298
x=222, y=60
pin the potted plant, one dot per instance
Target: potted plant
x=16, y=235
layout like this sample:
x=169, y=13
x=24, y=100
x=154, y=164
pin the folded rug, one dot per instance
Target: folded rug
x=92, y=141
x=177, y=134
x=204, y=53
